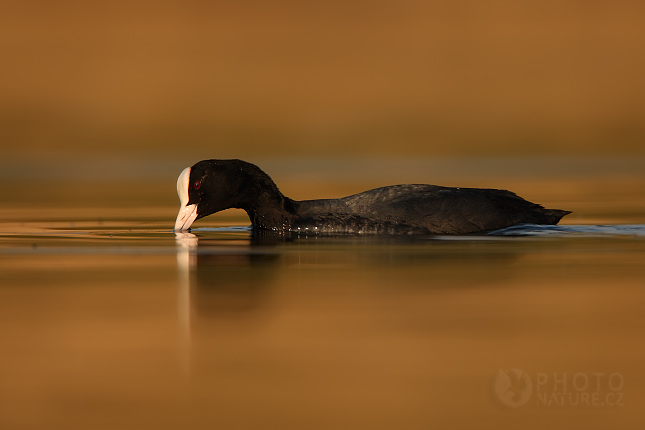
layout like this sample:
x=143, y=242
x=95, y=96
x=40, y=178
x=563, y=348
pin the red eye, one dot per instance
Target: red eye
x=198, y=184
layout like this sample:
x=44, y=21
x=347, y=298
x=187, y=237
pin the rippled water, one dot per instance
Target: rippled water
x=569, y=230
x=108, y=320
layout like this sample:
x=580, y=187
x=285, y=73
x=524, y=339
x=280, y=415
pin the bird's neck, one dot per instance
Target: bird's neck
x=269, y=209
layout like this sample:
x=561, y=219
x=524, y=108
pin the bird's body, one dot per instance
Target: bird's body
x=427, y=209
x=214, y=185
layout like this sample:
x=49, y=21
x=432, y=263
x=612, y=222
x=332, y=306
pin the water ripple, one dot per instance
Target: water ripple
x=585, y=230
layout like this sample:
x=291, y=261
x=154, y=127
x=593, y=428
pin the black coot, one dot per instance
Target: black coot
x=214, y=185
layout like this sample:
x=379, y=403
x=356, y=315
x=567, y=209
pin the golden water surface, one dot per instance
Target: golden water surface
x=110, y=320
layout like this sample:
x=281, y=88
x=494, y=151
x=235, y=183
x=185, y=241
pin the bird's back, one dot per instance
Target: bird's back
x=422, y=209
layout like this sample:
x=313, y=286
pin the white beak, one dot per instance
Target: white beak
x=187, y=213
x=186, y=217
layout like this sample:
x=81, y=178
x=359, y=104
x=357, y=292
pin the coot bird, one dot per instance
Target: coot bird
x=214, y=185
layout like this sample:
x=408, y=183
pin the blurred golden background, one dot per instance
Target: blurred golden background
x=212, y=79
x=108, y=321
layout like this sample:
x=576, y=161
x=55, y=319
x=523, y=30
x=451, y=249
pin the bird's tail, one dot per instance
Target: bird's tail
x=553, y=216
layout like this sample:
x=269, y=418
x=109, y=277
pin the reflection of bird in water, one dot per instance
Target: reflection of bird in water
x=223, y=278
x=214, y=185
x=237, y=275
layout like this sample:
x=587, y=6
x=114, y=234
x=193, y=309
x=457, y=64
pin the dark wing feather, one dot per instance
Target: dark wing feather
x=433, y=208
